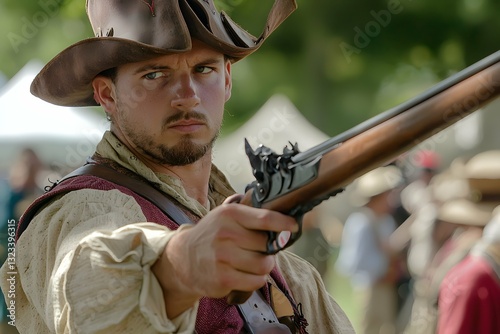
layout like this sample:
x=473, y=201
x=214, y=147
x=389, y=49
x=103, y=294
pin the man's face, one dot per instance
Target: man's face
x=169, y=109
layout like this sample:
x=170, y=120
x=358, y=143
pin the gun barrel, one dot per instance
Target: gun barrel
x=388, y=114
x=385, y=141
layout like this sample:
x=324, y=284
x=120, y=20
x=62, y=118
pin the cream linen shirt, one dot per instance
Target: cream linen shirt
x=84, y=263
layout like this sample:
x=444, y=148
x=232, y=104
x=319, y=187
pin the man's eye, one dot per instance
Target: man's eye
x=204, y=69
x=154, y=75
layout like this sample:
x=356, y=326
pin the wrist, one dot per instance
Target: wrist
x=177, y=294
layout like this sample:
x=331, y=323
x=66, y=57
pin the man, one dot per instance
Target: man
x=469, y=300
x=366, y=255
x=428, y=236
x=469, y=293
x=100, y=258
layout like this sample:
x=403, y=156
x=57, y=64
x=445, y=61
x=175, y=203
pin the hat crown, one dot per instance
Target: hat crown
x=137, y=20
x=484, y=165
x=483, y=174
x=378, y=181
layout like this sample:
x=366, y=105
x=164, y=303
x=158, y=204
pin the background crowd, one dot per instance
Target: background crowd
x=421, y=251
x=420, y=247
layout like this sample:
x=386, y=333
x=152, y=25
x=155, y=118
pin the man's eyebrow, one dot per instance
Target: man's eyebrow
x=211, y=60
x=157, y=67
x=150, y=67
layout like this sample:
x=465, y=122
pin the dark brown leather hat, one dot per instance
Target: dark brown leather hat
x=135, y=30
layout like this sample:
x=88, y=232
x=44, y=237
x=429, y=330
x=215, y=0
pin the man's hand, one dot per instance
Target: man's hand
x=222, y=253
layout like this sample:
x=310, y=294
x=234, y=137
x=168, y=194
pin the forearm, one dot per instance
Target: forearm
x=104, y=285
x=177, y=296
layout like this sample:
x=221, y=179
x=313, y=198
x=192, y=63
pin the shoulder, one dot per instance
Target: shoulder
x=86, y=196
x=471, y=270
x=83, y=203
x=84, y=210
x=469, y=278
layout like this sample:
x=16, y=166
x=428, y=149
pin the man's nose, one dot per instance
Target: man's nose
x=185, y=97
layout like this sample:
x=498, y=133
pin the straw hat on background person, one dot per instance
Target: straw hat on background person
x=375, y=182
x=482, y=174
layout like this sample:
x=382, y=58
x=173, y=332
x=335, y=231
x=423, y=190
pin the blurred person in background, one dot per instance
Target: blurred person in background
x=23, y=185
x=425, y=165
x=465, y=217
x=426, y=235
x=469, y=293
x=365, y=254
x=411, y=240
x=469, y=297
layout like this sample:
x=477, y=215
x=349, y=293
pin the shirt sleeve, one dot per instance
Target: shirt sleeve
x=86, y=266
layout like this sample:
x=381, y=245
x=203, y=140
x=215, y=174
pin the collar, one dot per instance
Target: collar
x=110, y=147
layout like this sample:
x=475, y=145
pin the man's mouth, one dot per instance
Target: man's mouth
x=187, y=126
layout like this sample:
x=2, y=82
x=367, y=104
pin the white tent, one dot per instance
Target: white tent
x=276, y=124
x=62, y=136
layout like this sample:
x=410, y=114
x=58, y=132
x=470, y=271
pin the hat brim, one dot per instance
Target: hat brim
x=84, y=61
x=466, y=212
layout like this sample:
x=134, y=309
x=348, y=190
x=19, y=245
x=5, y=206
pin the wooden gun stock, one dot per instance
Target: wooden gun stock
x=384, y=142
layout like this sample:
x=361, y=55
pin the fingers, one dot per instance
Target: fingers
x=248, y=228
x=242, y=272
x=239, y=259
x=233, y=280
x=224, y=251
x=259, y=219
x=241, y=237
x=212, y=266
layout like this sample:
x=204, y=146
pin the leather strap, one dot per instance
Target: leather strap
x=140, y=187
x=259, y=317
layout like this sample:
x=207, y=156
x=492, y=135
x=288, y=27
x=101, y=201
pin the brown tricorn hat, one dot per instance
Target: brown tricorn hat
x=135, y=30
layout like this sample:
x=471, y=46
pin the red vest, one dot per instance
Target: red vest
x=214, y=315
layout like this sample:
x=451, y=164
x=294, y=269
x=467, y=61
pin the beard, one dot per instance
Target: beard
x=184, y=152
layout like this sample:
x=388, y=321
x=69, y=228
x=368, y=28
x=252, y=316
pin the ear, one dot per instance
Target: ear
x=104, y=93
x=228, y=79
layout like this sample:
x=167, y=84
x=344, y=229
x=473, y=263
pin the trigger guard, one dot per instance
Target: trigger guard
x=276, y=241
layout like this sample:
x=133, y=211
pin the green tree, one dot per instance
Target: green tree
x=340, y=62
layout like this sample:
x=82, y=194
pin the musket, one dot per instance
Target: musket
x=294, y=182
